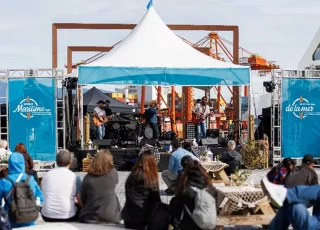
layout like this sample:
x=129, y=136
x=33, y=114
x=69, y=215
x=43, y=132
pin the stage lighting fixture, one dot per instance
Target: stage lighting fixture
x=269, y=85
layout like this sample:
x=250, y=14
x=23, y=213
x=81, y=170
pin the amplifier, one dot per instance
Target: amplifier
x=103, y=143
x=209, y=141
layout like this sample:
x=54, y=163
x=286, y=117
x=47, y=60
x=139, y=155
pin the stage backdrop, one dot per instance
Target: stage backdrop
x=32, y=116
x=300, y=117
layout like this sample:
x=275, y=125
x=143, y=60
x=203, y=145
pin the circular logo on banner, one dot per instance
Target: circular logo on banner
x=29, y=108
x=301, y=108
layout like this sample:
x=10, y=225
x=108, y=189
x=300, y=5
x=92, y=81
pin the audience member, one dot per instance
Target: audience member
x=21, y=148
x=142, y=192
x=279, y=172
x=302, y=175
x=98, y=196
x=195, y=177
x=16, y=174
x=170, y=176
x=232, y=158
x=185, y=161
x=4, y=148
x=293, y=205
x=61, y=191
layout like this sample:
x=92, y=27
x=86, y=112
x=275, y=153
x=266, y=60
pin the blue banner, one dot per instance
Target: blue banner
x=32, y=116
x=300, y=117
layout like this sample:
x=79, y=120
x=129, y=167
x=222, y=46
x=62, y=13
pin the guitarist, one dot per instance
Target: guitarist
x=100, y=114
x=201, y=111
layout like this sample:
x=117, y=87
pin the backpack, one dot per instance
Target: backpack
x=160, y=217
x=204, y=214
x=23, y=207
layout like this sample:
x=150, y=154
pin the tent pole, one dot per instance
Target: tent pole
x=218, y=106
x=159, y=96
x=143, y=96
x=173, y=109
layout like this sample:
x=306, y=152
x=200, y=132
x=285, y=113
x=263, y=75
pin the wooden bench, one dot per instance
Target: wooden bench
x=243, y=220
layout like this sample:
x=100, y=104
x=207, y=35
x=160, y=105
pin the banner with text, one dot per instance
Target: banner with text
x=300, y=117
x=32, y=116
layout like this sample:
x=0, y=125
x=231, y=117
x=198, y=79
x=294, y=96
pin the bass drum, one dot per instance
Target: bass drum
x=148, y=132
x=168, y=136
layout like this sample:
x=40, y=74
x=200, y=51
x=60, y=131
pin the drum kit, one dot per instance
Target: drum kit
x=145, y=131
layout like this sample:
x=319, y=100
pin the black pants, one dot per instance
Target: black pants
x=47, y=219
x=134, y=225
x=155, y=130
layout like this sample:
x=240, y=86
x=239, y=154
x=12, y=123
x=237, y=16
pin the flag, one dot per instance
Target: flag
x=150, y=4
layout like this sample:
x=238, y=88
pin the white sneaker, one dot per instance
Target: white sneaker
x=276, y=193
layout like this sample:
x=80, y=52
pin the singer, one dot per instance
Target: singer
x=152, y=114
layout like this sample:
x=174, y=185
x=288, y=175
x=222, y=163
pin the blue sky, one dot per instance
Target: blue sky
x=279, y=30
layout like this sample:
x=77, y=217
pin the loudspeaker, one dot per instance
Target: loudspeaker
x=209, y=141
x=73, y=134
x=103, y=143
x=145, y=141
x=213, y=133
x=266, y=124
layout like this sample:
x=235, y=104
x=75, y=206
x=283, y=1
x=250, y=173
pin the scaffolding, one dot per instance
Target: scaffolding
x=276, y=111
x=56, y=74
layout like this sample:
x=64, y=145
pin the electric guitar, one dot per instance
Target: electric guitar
x=199, y=118
x=98, y=121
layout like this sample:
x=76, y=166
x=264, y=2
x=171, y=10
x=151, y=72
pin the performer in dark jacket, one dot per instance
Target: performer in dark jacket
x=142, y=192
x=152, y=114
x=194, y=176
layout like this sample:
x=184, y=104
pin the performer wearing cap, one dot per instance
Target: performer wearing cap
x=99, y=119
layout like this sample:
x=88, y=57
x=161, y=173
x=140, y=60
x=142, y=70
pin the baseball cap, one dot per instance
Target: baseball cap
x=307, y=159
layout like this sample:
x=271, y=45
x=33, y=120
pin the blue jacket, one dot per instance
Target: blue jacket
x=175, y=159
x=152, y=115
x=16, y=167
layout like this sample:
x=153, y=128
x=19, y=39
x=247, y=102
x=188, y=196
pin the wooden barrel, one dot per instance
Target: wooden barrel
x=86, y=164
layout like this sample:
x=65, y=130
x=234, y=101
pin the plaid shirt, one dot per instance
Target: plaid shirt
x=279, y=176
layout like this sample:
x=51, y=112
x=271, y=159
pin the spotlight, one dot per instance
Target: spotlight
x=269, y=85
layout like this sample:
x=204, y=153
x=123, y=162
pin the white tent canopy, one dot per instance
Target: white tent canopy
x=153, y=55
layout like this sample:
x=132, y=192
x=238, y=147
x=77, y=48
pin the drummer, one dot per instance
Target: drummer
x=152, y=114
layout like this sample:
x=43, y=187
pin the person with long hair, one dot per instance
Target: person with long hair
x=98, y=197
x=21, y=148
x=194, y=176
x=279, y=172
x=142, y=192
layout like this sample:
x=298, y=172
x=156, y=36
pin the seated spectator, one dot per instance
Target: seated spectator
x=17, y=173
x=98, y=196
x=293, y=205
x=302, y=175
x=142, y=192
x=279, y=172
x=232, y=158
x=185, y=161
x=195, y=176
x=4, y=148
x=21, y=148
x=170, y=176
x=61, y=189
